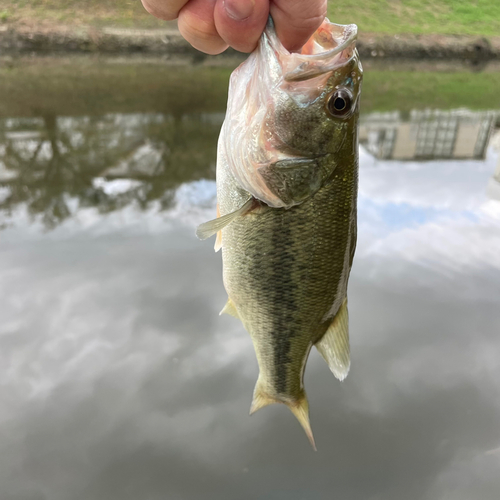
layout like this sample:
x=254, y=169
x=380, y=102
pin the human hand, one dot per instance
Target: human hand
x=213, y=25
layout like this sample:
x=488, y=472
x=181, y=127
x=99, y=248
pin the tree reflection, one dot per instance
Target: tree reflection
x=50, y=164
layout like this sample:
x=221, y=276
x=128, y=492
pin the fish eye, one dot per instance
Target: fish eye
x=339, y=103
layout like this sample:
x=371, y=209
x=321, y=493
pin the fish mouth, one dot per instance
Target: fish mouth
x=332, y=46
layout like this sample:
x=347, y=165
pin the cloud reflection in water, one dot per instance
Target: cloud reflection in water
x=119, y=380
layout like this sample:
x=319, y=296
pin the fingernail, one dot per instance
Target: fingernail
x=239, y=10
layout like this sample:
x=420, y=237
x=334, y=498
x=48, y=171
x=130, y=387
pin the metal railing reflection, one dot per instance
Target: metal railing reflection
x=428, y=134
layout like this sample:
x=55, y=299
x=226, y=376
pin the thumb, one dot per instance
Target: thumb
x=297, y=20
x=241, y=22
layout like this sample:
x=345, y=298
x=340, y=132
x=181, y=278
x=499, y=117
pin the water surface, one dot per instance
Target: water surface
x=120, y=380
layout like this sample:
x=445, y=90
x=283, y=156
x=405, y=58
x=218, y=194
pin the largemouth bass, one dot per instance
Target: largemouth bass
x=287, y=174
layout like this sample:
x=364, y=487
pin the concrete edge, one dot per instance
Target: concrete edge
x=111, y=41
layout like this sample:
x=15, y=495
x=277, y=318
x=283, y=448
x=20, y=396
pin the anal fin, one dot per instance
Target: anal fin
x=334, y=345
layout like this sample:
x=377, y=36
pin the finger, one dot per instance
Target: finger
x=164, y=9
x=241, y=22
x=197, y=26
x=297, y=20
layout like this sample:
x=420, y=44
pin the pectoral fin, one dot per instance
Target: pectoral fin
x=334, y=345
x=211, y=227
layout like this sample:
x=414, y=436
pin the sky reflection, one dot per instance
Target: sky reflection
x=120, y=380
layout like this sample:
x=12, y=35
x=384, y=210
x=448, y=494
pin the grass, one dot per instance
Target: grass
x=454, y=17
x=471, y=17
x=119, y=13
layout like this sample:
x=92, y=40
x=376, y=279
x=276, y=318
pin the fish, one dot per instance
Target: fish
x=287, y=181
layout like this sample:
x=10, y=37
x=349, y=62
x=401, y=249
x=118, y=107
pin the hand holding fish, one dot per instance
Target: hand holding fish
x=214, y=25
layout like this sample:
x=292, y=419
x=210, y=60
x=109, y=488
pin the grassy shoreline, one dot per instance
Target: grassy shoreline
x=420, y=17
x=391, y=17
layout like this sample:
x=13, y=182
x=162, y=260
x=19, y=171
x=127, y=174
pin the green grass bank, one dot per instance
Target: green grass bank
x=455, y=17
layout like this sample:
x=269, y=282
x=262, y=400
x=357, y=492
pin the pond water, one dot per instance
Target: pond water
x=118, y=378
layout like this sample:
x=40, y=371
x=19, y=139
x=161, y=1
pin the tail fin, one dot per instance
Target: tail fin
x=300, y=408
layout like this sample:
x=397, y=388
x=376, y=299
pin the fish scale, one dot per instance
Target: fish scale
x=269, y=257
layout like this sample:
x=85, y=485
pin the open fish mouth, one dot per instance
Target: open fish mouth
x=332, y=46
x=279, y=123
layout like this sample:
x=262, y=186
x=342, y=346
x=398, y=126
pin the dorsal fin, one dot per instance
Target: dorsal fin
x=334, y=345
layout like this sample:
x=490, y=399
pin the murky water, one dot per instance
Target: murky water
x=118, y=378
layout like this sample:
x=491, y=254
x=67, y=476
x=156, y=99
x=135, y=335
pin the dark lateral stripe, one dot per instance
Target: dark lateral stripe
x=284, y=324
